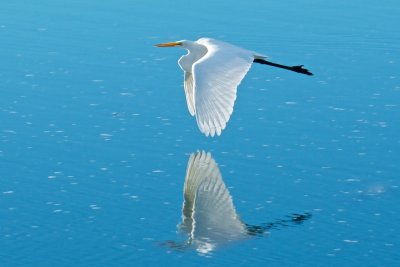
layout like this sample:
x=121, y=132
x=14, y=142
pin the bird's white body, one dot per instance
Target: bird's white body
x=212, y=72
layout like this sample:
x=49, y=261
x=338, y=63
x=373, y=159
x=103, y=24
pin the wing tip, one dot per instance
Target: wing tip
x=211, y=130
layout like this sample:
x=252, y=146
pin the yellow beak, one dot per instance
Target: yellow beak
x=171, y=44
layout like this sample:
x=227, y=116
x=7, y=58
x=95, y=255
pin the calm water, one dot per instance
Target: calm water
x=95, y=134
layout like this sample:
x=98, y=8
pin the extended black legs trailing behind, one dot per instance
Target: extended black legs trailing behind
x=298, y=69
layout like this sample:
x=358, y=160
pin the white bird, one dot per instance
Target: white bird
x=212, y=72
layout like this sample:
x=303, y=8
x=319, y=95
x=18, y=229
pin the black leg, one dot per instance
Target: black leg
x=298, y=69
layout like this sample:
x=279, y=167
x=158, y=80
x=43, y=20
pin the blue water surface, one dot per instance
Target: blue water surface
x=95, y=134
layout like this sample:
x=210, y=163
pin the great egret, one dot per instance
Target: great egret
x=212, y=72
x=209, y=218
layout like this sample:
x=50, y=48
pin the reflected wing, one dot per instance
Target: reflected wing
x=216, y=78
x=208, y=211
x=188, y=85
x=198, y=166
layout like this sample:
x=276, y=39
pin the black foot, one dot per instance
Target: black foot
x=302, y=70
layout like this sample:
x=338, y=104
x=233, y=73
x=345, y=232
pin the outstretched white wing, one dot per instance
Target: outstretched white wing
x=216, y=77
x=208, y=213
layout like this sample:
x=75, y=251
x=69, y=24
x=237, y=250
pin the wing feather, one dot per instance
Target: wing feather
x=216, y=77
x=189, y=92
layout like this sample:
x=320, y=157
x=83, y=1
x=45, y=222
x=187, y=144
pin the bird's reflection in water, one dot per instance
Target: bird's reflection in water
x=209, y=218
